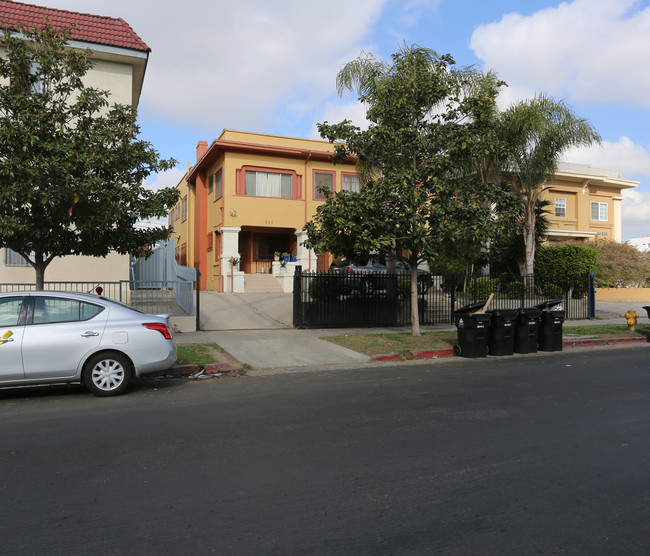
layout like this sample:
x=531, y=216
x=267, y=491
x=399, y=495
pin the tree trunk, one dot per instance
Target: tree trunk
x=529, y=240
x=415, y=312
x=40, y=266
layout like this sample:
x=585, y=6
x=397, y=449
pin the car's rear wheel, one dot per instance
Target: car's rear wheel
x=107, y=374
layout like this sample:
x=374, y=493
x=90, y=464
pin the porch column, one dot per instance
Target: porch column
x=304, y=256
x=617, y=218
x=230, y=248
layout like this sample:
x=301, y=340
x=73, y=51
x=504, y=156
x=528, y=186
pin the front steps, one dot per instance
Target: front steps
x=261, y=283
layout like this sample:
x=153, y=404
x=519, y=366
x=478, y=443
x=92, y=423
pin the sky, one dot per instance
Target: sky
x=271, y=67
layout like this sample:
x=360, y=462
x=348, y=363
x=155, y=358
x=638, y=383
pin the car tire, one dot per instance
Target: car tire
x=107, y=374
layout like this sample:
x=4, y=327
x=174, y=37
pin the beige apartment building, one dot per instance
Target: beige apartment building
x=120, y=58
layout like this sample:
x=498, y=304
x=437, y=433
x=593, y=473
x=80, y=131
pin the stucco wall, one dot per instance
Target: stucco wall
x=112, y=268
x=623, y=294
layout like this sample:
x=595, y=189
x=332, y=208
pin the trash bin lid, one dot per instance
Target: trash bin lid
x=503, y=313
x=546, y=305
x=531, y=312
x=471, y=308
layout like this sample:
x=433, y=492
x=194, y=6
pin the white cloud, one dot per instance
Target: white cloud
x=337, y=112
x=624, y=156
x=229, y=64
x=169, y=178
x=590, y=50
x=412, y=11
x=636, y=207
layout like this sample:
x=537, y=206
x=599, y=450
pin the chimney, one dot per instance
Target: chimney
x=201, y=149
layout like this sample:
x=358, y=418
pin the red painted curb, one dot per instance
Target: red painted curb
x=216, y=368
x=431, y=353
x=385, y=357
x=186, y=369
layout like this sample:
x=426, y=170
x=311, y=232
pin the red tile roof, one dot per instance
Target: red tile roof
x=95, y=29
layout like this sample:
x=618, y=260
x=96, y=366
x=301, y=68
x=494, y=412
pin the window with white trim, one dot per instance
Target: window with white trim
x=268, y=184
x=560, y=207
x=351, y=182
x=599, y=211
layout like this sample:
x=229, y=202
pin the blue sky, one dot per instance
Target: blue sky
x=271, y=66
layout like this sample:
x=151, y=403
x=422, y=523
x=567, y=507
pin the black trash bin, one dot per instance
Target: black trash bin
x=647, y=310
x=526, y=330
x=472, y=331
x=550, y=326
x=501, y=334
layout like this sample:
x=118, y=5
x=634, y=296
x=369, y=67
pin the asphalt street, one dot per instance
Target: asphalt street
x=542, y=454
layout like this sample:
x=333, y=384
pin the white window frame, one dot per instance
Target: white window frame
x=12, y=258
x=560, y=207
x=601, y=211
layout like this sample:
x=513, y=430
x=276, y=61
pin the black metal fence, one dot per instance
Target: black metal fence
x=327, y=300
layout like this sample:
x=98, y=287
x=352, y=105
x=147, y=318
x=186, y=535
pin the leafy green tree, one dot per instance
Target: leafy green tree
x=537, y=132
x=72, y=168
x=620, y=265
x=429, y=123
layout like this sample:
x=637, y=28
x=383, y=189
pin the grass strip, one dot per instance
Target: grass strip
x=404, y=343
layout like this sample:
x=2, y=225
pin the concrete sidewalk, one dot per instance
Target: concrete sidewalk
x=257, y=330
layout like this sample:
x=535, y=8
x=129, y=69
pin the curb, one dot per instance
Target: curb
x=435, y=353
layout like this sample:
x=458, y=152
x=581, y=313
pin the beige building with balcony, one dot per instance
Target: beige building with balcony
x=120, y=58
x=585, y=203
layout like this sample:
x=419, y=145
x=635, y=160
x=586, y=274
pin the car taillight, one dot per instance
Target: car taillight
x=350, y=271
x=160, y=327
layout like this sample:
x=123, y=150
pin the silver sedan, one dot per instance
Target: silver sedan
x=53, y=337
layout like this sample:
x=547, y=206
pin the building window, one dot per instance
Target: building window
x=184, y=208
x=351, y=182
x=210, y=185
x=560, y=207
x=14, y=259
x=218, y=184
x=599, y=211
x=177, y=212
x=322, y=179
x=184, y=254
x=263, y=183
x=217, y=243
x=209, y=242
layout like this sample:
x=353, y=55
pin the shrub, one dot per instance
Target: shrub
x=620, y=265
x=483, y=287
x=552, y=290
x=404, y=288
x=322, y=288
x=567, y=259
x=516, y=290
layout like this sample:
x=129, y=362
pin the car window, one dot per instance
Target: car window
x=57, y=309
x=10, y=310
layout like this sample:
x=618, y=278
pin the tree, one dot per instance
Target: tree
x=537, y=132
x=428, y=125
x=72, y=168
x=508, y=252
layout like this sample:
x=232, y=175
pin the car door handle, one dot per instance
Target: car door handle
x=89, y=334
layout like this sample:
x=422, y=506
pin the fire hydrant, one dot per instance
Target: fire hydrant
x=631, y=317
